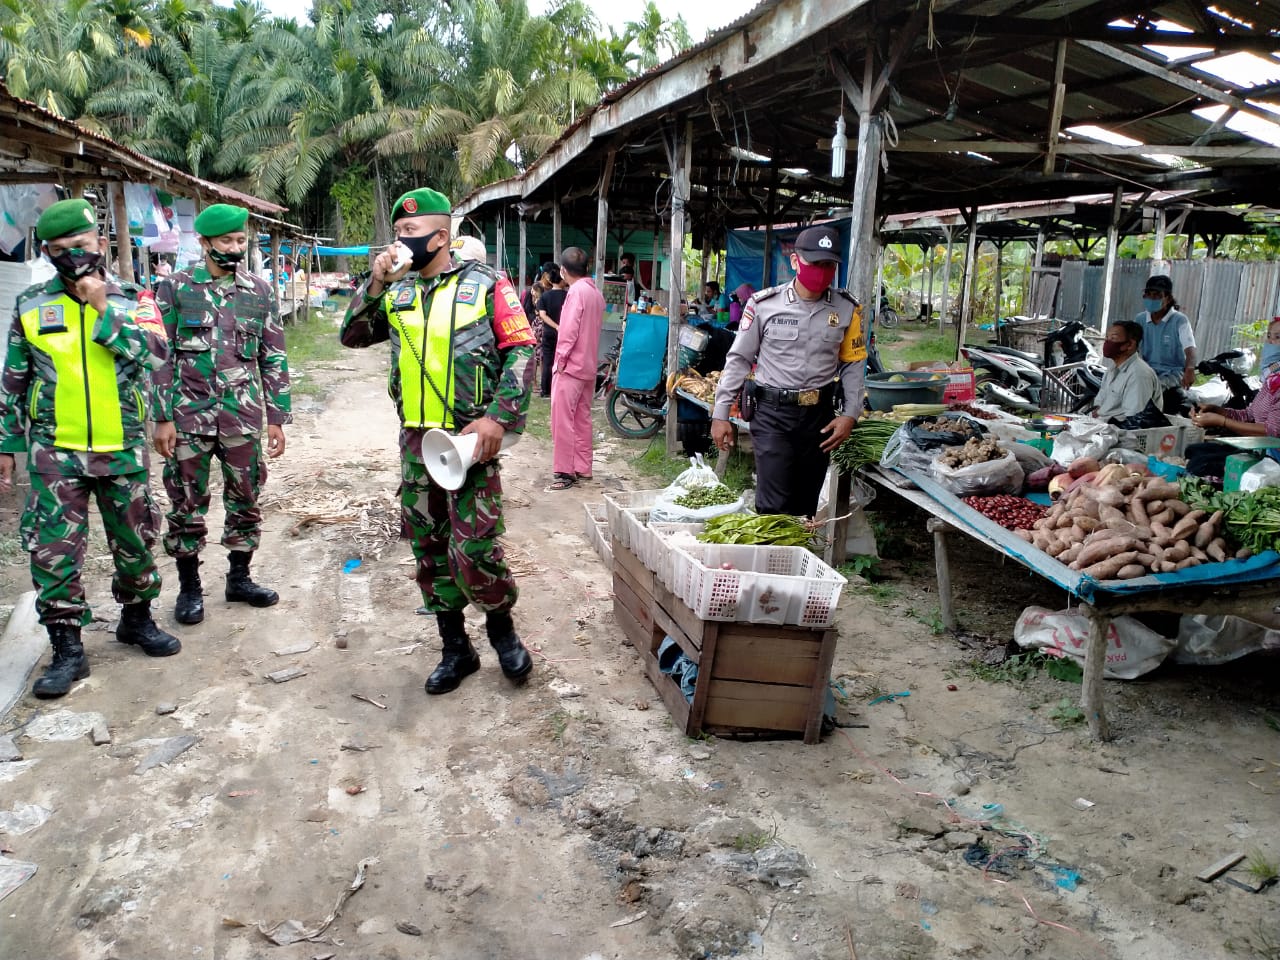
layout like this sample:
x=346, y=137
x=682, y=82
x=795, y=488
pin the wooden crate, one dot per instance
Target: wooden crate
x=753, y=679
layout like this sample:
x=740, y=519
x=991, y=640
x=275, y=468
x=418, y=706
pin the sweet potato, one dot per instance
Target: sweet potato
x=1107, y=512
x=1087, y=524
x=1187, y=526
x=1041, y=540
x=1199, y=554
x=1139, y=511
x=1100, y=550
x=1165, y=566
x=1158, y=489
x=1063, y=521
x=1148, y=560
x=1244, y=553
x=1217, y=550
x=1056, y=549
x=1071, y=554
x=1024, y=534
x=1083, y=466
x=1130, y=570
x=1178, y=552
x=1177, y=506
x=1108, y=568
x=1189, y=562
x=1164, y=517
x=1208, y=530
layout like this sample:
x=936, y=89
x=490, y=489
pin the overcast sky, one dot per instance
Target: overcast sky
x=700, y=17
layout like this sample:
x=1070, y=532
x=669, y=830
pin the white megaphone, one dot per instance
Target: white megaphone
x=449, y=457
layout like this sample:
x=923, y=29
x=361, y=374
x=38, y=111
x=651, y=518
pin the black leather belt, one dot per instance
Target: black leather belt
x=796, y=398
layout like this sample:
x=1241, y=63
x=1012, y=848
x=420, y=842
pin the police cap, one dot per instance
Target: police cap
x=819, y=245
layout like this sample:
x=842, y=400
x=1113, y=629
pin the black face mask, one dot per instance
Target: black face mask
x=422, y=254
x=226, y=259
x=76, y=262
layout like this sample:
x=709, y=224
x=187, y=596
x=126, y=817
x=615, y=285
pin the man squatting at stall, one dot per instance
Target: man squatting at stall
x=461, y=360
x=227, y=368
x=806, y=341
x=71, y=396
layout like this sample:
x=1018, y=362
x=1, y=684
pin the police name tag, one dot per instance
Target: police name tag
x=52, y=319
x=468, y=292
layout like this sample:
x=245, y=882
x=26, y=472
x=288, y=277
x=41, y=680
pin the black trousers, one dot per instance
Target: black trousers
x=548, y=359
x=790, y=467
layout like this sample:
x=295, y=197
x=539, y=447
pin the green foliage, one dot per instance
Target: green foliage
x=860, y=565
x=1022, y=667
x=1066, y=714
x=354, y=194
x=1261, y=868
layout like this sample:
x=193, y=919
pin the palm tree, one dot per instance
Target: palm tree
x=658, y=39
x=52, y=51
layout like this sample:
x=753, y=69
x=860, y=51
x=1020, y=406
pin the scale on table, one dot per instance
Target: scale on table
x=1250, y=443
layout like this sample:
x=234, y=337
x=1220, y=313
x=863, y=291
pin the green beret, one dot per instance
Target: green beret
x=221, y=218
x=66, y=218
x=417, y=203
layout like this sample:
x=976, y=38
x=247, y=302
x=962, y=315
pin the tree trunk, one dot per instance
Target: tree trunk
x=381, y=211
x=339, y=231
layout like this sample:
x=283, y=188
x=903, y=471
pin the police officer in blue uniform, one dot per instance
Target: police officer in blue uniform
x=805, y=341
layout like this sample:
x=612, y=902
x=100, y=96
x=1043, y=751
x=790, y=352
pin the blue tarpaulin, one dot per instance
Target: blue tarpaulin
x=1264, y=566
x=744, y=256
x=287, y=249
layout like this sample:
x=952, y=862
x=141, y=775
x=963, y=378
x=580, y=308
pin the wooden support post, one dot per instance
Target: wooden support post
x=1109, y=262
x=706, y=260
x=144, y=255
x=837, y=529
x=557, y=230
x=862, y=230
x=1055, y=116
x=683, y=157
x=1036, y=276
x=999, y=281
x=966, y=282
x=602, y=215
x=932, y=258
x=924, y=256
x=524, y=254
x=500, y=241
x=654, y=279
x=275, y=269
x=874, y=307
x=946, y=281
x=120, y=220
x=303, y=308
x=941, y=560
x=1091, y=696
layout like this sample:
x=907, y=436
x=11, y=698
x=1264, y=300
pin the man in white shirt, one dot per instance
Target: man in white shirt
x=1130, y=383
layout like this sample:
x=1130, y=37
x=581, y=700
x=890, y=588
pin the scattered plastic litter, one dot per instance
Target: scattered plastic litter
x=889, y=698
x=24, y=818
x=284, y=932
x=1080, y=803
x=13, y=874
x=631, y=919
x=1066, y=879
x=348, y=567
x=165, y=751
x=9, y=750
x=62, y=725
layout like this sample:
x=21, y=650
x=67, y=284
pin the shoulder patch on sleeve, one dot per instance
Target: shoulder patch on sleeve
x=748, y=316
x=147, y=316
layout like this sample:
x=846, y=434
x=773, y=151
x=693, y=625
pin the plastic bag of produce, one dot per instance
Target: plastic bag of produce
x=979, y=479
x=951, y=430
x=1084, y=438
x=696, y=494
x=901, y=452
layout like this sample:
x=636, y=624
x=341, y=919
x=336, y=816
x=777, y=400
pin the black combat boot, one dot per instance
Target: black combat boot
x=240, y=589
x=138, y=629
x=190, y=606
x=458, y=659
x=512, y=656
x=68, y=665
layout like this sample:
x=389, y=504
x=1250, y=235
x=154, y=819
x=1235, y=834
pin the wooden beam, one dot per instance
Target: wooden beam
x=1089, y=29
x=124, y=242
x=1059, y=94
x=602, y=213
x=1075, y=149
x=1109, y=261
x=682, y=159
x=970, y=270
x=557, y=227
x=524, y=254
x=904, y=39
x=851, y=88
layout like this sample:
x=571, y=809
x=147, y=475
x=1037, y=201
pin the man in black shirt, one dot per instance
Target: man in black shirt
x=549, y=306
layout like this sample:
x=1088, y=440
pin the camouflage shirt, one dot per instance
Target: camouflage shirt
x=501, y=363
x=28, y=387
x=228, y=364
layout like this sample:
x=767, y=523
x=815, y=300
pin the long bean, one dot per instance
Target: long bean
x=771, y=529
x=864, y=446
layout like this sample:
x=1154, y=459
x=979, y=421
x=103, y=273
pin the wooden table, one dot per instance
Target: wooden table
x=1245, y=588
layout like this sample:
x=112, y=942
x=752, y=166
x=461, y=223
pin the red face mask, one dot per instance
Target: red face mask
x=1111, y=349
x=815, y=276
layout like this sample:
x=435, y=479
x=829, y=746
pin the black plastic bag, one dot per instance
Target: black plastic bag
x=1150, y=418
x=927, y=439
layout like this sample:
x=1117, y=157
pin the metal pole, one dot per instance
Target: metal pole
x=524, y=254
x=999, y=282
x=1037, y=277
x=1109, y=263
x=932, y=258
x=556, y=230
x=679, y=197
x=500, y=254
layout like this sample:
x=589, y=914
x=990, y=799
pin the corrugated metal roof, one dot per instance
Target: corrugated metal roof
x=105, y=151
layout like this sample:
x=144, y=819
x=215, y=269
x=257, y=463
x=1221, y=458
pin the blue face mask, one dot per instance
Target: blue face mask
x=1153, y=306
x=1270, y=358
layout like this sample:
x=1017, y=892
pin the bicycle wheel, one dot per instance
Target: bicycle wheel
x=628, y=422
x=888, y=318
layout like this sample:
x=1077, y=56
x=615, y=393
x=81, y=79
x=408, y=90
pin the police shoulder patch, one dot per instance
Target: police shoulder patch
x=468, y=291
x=509, y=295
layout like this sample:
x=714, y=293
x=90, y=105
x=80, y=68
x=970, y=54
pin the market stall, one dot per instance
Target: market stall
x=1120, y=539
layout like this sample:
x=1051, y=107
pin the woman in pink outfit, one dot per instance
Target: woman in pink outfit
x=574, y=373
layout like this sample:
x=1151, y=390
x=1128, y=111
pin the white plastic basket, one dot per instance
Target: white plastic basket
x=596, y=531
x=779, y=585
x=616, y=504
x=661, y=550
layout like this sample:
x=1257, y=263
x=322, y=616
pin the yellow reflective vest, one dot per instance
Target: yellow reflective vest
x=81, y=395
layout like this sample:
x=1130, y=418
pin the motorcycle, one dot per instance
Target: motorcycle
x=1231, y=386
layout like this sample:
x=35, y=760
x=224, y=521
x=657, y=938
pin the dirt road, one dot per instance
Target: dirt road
x=567, y=819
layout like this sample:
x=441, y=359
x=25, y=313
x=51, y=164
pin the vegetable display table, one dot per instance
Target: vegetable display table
x=752, y=679
x=1244, y=588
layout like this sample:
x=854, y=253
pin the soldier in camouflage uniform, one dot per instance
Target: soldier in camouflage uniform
x=71, y=396
x=461, y=348
x=227, y=368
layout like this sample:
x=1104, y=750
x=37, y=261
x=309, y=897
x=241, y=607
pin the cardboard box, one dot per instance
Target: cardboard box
x=960, y=381
x=1235, y=468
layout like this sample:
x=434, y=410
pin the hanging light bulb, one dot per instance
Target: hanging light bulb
x=839, y=148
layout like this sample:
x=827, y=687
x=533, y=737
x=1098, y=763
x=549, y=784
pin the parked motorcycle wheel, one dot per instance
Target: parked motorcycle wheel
x=627, y=422
x=888, y=318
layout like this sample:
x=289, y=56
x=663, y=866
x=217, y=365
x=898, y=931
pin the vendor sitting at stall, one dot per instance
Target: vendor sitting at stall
x=1262, y=417
x=1129, y=384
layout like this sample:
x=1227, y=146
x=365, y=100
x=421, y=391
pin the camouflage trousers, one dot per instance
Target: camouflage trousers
x=186, y=480
x=55, y=529
x=454, y=535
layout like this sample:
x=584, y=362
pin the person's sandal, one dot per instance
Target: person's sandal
x=584, y=478
x=563, y=481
